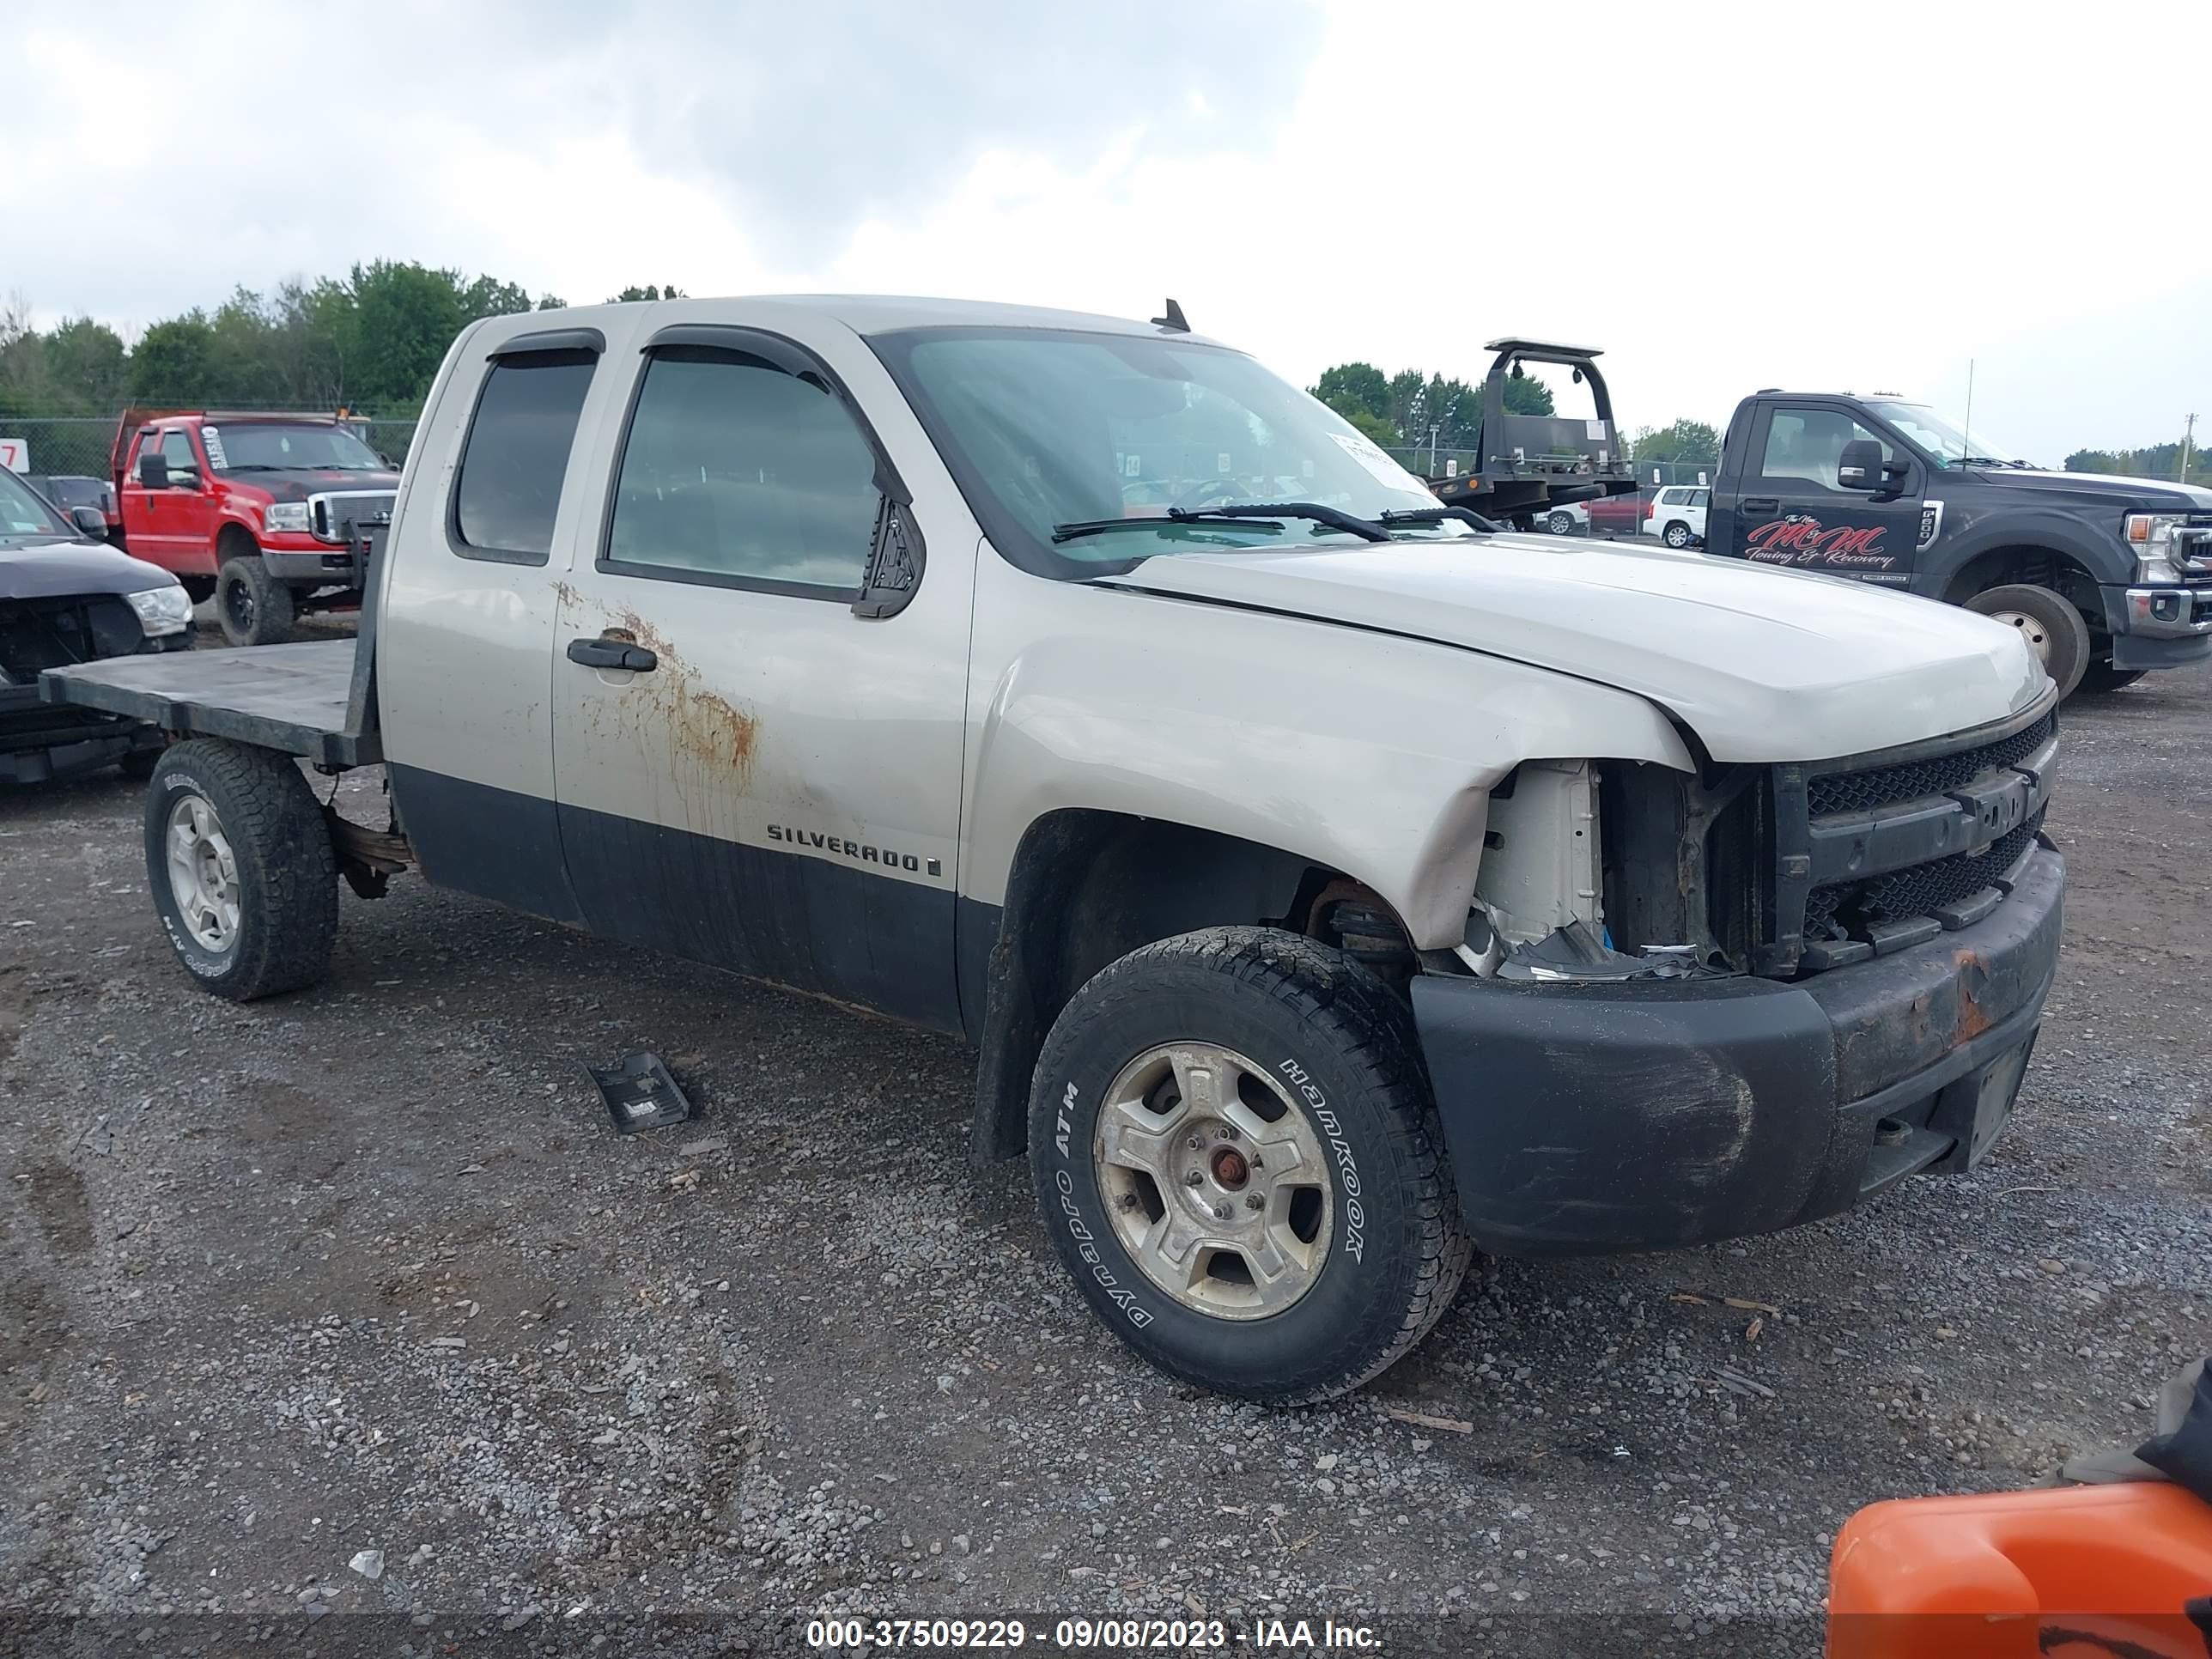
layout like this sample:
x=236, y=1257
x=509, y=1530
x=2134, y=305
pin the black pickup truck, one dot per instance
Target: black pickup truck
x=2106, y=578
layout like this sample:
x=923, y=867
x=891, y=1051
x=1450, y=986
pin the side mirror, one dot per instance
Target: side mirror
x=91, y=521
x=1860, y=465
x=153, y=470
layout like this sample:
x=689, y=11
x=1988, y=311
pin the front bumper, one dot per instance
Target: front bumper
x=301, y=561
x=2159, y=627
x=1653, y=1114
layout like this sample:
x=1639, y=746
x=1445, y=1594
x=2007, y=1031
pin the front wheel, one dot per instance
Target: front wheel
x=239, y=862
x=1237, y=1157
x=1560, y=524
x=1677, y=535
x=253, y=607
x=2053, y=630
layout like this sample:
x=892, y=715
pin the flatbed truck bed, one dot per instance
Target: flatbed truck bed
x=310, y=699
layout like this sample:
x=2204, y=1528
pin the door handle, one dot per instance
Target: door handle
x=603, y=653
x=1760, y=504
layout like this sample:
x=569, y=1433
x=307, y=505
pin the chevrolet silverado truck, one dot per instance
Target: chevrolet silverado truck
x=2105, y=578
x=256, y=512
x=67, y=596
x=1329, y=887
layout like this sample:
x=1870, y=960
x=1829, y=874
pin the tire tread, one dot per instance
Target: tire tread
x=1371, y=1030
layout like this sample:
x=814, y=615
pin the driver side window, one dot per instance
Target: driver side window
x=1804, y=445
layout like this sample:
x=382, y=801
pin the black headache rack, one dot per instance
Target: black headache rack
x=1526, y=465
x=316, y=700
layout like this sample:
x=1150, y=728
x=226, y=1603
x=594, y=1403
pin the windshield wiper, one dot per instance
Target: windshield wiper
x=1075, y=527
x=1984, y=460
x=1398, y=515
x=1366, y=528
x=250, y=466
x=1247, y=515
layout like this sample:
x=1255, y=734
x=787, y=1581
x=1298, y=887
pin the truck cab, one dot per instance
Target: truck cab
x=2105, y=578
x=255, y=511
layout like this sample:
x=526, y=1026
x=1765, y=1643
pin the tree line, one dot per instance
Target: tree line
x=370, y=341
x=1399, y=411
x=2158, y=461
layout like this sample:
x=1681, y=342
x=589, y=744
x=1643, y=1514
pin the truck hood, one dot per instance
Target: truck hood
x=57, y=568
x=2147, y=493
x=1763, y=664
x=298, y=486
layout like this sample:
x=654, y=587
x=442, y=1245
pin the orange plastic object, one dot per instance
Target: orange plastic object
x=2082, y=1572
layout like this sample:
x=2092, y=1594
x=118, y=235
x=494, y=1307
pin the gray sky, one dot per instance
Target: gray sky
x=1722, y=197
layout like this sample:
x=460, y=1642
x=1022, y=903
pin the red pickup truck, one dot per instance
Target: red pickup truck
x=256, y=511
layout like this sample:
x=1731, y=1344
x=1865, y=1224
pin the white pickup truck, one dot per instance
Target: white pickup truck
x=1330, y=886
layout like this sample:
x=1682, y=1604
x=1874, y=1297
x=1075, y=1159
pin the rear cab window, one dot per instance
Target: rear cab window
x=515, y=457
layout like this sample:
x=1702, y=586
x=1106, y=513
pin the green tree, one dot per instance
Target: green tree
x=1529, y=396
x=650, y=291
x=1689, y=442
x=174, y=362
x=87, y=366
x=404, y=316
x=1351, y=388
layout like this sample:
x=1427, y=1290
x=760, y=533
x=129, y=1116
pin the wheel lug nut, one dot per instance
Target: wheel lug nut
x=1193, y=1179
x=1254, y=1201
x=1221, y=1213
x=1195, y=1143
x=1225, y=1133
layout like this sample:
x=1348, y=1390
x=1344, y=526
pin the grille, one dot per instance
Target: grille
x=1918, y=891
x=1881, y=786
x=334, y=516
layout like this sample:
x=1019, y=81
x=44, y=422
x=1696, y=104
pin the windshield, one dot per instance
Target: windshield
x=23, y=513
x=1047, y=428
x=1945, y=445
x=267, y=447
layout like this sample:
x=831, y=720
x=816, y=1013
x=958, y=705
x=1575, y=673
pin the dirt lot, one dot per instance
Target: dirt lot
x=364, y=1270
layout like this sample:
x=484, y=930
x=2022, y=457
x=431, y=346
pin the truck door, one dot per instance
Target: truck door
x=161, y=524
x=1791, y=511
x=465, y=644
x=775, y=785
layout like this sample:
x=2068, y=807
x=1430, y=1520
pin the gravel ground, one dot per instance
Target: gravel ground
x=349, y=1303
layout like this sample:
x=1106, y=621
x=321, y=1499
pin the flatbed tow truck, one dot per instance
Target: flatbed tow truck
x=1526, y=465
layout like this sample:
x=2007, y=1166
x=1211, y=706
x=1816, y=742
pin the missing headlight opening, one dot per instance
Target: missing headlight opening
x=1594, y=871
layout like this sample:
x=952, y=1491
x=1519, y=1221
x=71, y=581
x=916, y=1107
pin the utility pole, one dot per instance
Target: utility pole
x=1435, y=429
x=1968, y=434
x=2188, y=433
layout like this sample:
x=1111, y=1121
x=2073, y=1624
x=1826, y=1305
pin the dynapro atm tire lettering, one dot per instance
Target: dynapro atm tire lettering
x=1348, y=1167
x=1799, y=539
x=1086, y=1244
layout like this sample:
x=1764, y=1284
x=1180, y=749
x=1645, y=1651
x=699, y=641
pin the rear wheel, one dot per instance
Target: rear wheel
x=2053, y=630
x=239, y=862
x=1560, y=524
x=1677, y=534
x=2103, y=677
x=1238, y=1158
x=253, y=607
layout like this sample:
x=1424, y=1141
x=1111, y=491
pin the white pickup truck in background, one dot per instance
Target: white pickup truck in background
x=1330, y=886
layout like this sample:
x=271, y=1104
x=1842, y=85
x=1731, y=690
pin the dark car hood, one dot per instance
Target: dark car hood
x=55, y=569
x=298, y=486
x=2146, y=493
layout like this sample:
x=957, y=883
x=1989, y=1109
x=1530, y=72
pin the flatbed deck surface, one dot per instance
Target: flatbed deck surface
x=296, y=698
